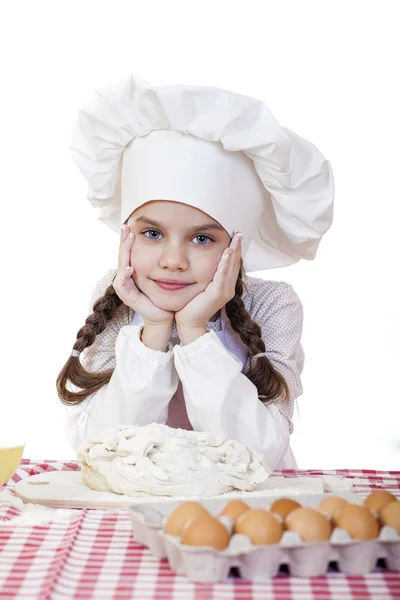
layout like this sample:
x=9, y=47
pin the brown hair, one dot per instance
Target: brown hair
x=270, y=384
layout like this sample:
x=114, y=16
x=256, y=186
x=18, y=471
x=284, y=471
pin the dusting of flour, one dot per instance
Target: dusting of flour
x=336, y=484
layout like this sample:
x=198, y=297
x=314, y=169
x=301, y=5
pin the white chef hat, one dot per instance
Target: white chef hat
x=221, y=152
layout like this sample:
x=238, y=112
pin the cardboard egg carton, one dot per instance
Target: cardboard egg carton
x=260, y=563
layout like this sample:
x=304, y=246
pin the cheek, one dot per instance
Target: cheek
x=207, y=268
x=139, y=268
x=138, y=259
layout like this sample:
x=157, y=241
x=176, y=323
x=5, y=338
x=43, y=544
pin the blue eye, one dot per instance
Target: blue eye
x=150, y=231
x=203, y=236
x=157, y=232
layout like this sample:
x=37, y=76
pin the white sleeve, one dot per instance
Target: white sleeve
x=138, y=393
x=221, y=399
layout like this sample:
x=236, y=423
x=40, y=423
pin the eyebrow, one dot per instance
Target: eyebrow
x=196, y=228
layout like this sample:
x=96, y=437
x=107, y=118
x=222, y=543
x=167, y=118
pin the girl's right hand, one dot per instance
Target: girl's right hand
x=129, y=293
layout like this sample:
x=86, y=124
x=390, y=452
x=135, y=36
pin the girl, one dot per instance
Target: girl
x=208, y=187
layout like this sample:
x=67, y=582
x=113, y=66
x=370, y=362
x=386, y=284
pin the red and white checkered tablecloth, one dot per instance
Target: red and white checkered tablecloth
x=92, y=554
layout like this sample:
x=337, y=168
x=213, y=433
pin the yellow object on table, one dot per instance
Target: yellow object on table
x=10, y=459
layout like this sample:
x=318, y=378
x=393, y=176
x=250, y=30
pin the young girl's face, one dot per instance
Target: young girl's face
x=174, y=241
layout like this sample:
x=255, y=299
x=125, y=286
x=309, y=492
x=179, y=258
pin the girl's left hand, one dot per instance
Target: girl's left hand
x=198, y=312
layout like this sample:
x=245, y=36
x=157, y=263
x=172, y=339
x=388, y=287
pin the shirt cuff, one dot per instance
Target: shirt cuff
x=203, y=345
x=133, y=333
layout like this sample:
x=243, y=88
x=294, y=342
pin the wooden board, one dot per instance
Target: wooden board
x=63, y=489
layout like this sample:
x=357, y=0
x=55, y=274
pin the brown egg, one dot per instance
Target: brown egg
x=206, y=530
x=378, y=499
x=234, y=509
x=310, y=524
x=283, y=507
x=331, y=504
x=390, y=515
x=260, y=526
x=182, y=515
x=358, y=521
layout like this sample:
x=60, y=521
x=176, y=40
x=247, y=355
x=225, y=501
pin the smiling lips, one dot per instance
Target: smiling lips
x=171, y=285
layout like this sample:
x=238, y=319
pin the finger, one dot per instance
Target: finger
x=229, y=259
x=126, y=251
x=223, y=264
x=235, y=248
x=123, y=236
x=236, y=240
x=126, y=267
x=236, y=245
x=238, y=254
x=231, y=266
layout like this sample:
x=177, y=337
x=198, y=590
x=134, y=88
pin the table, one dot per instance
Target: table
x=92, y=554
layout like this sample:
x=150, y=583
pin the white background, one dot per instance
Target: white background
x=327, y=70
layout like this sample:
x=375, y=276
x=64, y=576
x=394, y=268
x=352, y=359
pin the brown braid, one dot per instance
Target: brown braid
x=269, y=382
x=73, y=371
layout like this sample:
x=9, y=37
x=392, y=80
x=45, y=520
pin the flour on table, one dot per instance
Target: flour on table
x=31, y=514
x=163, y=461
x=336, y=484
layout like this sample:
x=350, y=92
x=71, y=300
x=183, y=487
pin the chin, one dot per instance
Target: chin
x=172, y=306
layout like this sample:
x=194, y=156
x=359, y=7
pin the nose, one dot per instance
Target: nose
x=174, y=257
